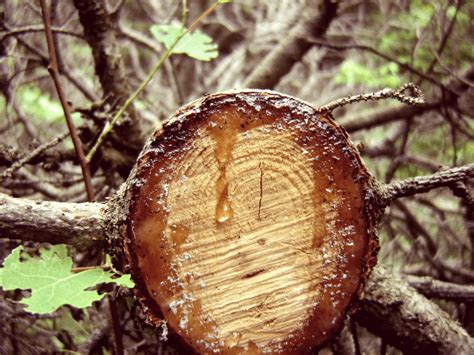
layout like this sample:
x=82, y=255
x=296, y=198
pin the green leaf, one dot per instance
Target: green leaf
x=223, y=1
x=195, y=44
x=51, y=281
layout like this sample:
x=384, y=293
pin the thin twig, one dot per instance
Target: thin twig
x=407, y=67
x=355, y=337
x=444, y=39
x=109, y=125
x=416, y=99
x=117, y=326
x=450, y=71
x=37, y=28
x=54, y=71
x=74, y=80
x=18, y=164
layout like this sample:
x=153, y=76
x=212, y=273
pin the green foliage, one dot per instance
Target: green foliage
x=38, y=106
x=223, y=1
x=410, y=36
x=352, y=73
x=64, y=323
x=51, y=280
x=195, y=44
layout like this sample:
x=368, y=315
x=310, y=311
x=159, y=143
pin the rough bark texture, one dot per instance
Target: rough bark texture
x=316, y=18
x=51, y=222
x=99, y=31
x=367, y=120
x=468, y=202
x=419, y=184
x=433, y=288
x=396, y=312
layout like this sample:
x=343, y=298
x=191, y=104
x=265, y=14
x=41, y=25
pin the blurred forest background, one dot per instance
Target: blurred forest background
x=314, y=50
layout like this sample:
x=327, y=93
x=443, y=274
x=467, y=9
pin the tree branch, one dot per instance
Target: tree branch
x=100, y=34
x=35, y=29
x=81, y=86
x=54, y=71
x=294, y=46
x=420, y=184
x=370, y=119
x=382, y=55
x=51, y=222
x=393, y=310
x=433, y=288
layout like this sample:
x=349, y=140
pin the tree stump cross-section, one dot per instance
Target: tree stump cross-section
x=251, y=224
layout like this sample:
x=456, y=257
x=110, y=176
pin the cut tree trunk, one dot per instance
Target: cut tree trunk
x=250, y=224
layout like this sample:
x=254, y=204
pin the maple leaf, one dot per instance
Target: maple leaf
x=195, y=44
x=51, y=280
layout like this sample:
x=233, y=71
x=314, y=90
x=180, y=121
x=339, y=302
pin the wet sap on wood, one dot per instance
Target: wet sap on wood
x=259, y=239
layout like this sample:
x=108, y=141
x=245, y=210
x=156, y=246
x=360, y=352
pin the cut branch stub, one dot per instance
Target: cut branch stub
x=250, y=224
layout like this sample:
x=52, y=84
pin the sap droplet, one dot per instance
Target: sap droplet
x=224, y=210
x=233, y=340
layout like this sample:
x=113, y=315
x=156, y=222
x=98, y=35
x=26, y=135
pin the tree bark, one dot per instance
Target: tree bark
x=395, y=311
x=433, y=288
x=80, y=224
x=420, y=184
x=316, y=18
x=99, y=32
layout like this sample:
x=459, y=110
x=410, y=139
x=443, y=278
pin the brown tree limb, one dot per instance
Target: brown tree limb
x=51, y=222
x=9, y=156
x=393, y=310
x=54, y=71
x=81, y=86
x=445, y=37
x=420, y=184
x=433, y=288
x=379, y=117
x=316, y=18
x=416, y=99
x=100, y=34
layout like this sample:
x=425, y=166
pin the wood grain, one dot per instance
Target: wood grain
x=250, y=224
